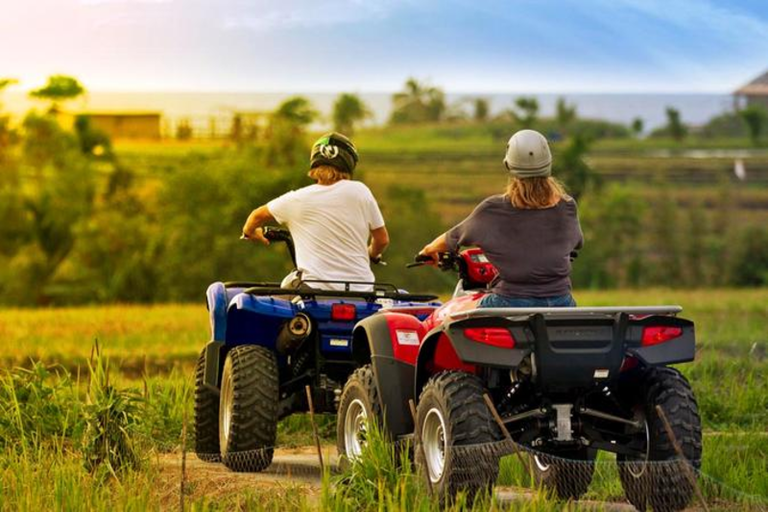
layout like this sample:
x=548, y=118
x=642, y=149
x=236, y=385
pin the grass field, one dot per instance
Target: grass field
x=439, y=160
x=152, y=349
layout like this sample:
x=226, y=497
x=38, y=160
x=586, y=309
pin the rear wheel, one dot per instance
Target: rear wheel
x=248, y=408
x=358, y=407
x=567, y=474
x=452, y=416
x=206, y=416
x=648, y=480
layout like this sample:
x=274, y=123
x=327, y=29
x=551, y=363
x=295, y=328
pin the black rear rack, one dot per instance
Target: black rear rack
x=571, y=312
x=370, y=296
x=250, y=284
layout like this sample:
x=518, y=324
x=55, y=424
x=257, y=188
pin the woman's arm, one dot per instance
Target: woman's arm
x=252, y=228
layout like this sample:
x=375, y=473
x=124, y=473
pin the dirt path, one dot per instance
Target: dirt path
x=293, y=470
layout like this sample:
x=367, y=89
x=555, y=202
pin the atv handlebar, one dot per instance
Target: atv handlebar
x=445, y=261
x=274, y=234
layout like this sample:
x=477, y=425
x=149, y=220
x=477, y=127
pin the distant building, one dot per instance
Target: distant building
x=127, y=125
x=753, y=93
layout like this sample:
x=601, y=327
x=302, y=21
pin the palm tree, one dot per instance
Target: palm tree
x=348, y=110
x=418, y=103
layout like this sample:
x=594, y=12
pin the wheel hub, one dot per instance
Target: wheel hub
x=225, y=407
x=355, y=429
x=543, y=466
x=433, y=438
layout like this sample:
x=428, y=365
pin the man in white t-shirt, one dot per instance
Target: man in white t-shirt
x=331, y=222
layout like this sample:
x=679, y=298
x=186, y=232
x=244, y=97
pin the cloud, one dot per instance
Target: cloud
x=309, y=14
x=102, y=2
x=729, y=23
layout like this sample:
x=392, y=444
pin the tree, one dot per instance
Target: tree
x=755, y=119
x=348, y=110
x=7, y=134
x=750, y=262
x=57, y=198
x=418, y=103
x=286, y=140
x=610, y=222
x=695, y=247
x=675, y=127
x=565, y=115
x=93, y=141
x=527, y=111
x=570, y=166
x=296, y=110
x=637, y=126
x=5, y=82
x=482, y=109
x=665, y=238
x=59, y=88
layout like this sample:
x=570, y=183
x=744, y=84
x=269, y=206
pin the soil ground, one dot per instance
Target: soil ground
x=294, y=470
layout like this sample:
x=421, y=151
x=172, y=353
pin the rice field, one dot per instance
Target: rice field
x=151, y=350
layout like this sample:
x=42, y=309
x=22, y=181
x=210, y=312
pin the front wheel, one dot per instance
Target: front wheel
x=248, y=408
x=451, y=419
x=658, y=480
x=358, y=409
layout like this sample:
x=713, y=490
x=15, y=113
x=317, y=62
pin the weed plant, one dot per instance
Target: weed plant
x=111, y=415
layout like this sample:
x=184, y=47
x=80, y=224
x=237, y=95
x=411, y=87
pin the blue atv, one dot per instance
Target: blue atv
x=267, y=343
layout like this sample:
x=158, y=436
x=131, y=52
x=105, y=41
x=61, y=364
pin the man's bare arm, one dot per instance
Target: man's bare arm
x=379, y=242
x=252, y=228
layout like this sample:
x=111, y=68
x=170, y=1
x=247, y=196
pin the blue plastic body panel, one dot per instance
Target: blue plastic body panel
x=239, y=318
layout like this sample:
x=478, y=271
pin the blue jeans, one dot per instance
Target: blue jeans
x=500, y=301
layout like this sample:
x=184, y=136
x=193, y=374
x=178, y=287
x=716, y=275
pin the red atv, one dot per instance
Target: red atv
x=566, y=383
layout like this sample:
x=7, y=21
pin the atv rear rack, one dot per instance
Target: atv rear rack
x=370, y=296
x=590, y=312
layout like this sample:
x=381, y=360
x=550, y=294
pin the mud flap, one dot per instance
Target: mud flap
x=213, y=364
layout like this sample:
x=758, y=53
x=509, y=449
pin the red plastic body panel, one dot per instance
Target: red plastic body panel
x=479, y=271
x=406, y=333
x=456, y=305
x=445, y=358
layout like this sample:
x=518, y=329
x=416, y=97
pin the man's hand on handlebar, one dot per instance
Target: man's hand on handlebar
x=256, y=236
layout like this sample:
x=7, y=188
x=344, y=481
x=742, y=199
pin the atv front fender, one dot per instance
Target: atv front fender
x=375, y=339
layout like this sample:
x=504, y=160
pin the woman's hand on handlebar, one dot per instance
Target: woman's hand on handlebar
x=430, y=254
x=427, y=257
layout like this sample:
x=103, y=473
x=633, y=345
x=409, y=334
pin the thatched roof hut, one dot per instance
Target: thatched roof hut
x=755, y=92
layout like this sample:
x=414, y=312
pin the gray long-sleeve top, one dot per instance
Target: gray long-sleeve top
x=530, y=248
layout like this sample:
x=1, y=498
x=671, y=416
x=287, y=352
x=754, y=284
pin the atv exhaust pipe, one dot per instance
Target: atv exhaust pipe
x=293, y=333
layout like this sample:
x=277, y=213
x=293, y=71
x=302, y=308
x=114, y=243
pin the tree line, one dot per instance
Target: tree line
x=81, y=223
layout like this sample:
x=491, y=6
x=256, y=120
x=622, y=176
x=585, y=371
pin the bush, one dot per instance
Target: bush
x=110, y=418
x=750, y=262
x=724, y=125
x=38, y=405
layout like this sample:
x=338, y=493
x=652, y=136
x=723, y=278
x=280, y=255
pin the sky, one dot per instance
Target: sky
x=374, y=45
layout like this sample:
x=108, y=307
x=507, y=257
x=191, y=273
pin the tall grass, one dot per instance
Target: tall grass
x=384, y=479
x=111, y=415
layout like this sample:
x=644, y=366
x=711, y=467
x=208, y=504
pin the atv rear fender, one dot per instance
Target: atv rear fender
x=571, y=350
x=390, y=341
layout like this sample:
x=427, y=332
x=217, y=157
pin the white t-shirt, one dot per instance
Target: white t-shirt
x=330, y=225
